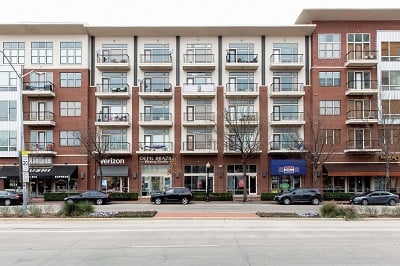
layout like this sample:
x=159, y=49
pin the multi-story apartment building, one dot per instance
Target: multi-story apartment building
x=141, y=109
x=355, y=97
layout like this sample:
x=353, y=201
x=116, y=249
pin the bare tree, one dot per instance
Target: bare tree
x=319, y=144
x=243, y=136
x=90, y=140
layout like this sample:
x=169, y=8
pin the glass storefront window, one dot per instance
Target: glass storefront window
x=284, y=183
x=115, y=184
x=155, y=178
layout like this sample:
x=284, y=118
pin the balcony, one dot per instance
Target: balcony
x=236, y=89
x=155, y=147
x=237, y=147
x=113, y=62
x=285, y=146
x=362, y=87
x=38, y=89
x=155, y=62
x=361, y=59
x=286, y=90
x=362, y=146
x=44, y=118
x=156, y=119
x=241, y=61
x=286, y=61
x=287, y=119
x=199, y=119
x=198, y=62
x=116, y=91
x=112, y=119
x=241, y=118
x=150, y=90
x=40, y=148
x=199, y=147
x=362, y=117
x=199, y=91
x=115, y=147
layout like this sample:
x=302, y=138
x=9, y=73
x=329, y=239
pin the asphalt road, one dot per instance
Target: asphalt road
x=199, y=242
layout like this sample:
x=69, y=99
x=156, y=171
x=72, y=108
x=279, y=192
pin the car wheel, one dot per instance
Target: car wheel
x=157, y=201
x=7, y=202
x=185, y=201
x=392, y=202
x=99, y=201
x=315, y=201
x=364, y=202
x=70, y=201
x=286, y=201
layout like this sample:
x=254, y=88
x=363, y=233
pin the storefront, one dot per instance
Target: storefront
x=286, y=174
x=360, y=177
x=114, y=178
x=236, y=180
x=155, y=174
x=55, y=178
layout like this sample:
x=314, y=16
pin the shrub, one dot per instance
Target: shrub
x=76, y=209
x=5, y=211
x=35, y=211
x=332, y=210
x=268, y=196
x=369, y=211
x=19, y=211
x=350, y=213
x=124, y=196
x=48, y=210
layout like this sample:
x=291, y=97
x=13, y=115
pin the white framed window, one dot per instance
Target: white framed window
x=70, y=52
x=329, y=107
x=71, y=80
x=70, y=138
x=15, y=52
x=8, y=140
x=329, y=79
x=42, y=53
x=329, y=46
x=70, y=108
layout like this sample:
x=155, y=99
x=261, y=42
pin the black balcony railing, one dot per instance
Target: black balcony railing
x=242, y=116
x=155, y=146
x=112, y=88
x=286, y=58
x=361, y=55
x=286, y=87
x=204, y=87
x=198, y=116
x=363, y=144
x=112, y=117
x=198, y=58
x=241, y=87
x=148, y=117
x=286, y=116
x=156, y=58
x=362, y=85
x=39, y=116
x=362, y=114
x=39, y=86
x=39, y=146
x=153, y=87
x=294, y=145
x=199, y=145
x=106, y=58
x=119, y=146
x=241, y=57
x=243, y=146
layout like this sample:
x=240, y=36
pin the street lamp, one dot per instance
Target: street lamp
x=20, y=121
x=208, y=175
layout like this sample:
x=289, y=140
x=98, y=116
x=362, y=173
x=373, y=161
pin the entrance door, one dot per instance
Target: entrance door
x=232, y=56
x=276, y=143
x=41, y=111
x=359, y=106
x=147, y=113
x=252, y=184
x=276, y=84
x=276, y=58
x=277, y=113
x=358, y=80
x=106, y=113
x=359, y=138
x=41, y=142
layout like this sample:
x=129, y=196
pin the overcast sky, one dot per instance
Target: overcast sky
x=171, y=12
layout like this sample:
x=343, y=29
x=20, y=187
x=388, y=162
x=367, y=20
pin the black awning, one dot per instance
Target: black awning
x=118, y=170
x=57, y=171
x=9, y=171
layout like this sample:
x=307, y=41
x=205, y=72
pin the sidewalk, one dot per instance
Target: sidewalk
x=207, y=215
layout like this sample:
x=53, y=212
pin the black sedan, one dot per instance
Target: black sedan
x=375, y=197
x=96, y=197
x=177, y=194
x=8, y=198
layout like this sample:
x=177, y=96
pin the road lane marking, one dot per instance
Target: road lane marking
x=178, y=246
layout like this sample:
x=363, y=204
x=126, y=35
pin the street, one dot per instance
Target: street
x=262, y=241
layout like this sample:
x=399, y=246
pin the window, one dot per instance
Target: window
x=113, y=53
x=41, y=140
x=199, y=53
x=8, y=81
x=390, y=51
x=285, y=81
x=243, y=140
x=240, y=53
x=285, y=53
x=329, y=107
x=285, y=139
x=156, y=140
x=390, y=110
x=42, y=53
x=113, y=81
x=329, y=79
x=195, y=177
x=156, y=53
x=389, y=136
x=359, y=80
x=71, y=80
x=199, y=110
x=156, y=82
x=358, y=46
x=239, y=108
x=70, y=108
x=328, y=46
x=8, y=140
x=70, y=52
x=8, y=110
x=285, y=110
x=114, y=140
x=391, y=80
x=241, y=82
x=70, y=138
x=331, y=136
x=156, y=110
x=15, y=52
x=199, y=138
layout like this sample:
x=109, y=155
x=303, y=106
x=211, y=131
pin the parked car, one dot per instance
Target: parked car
x=8, y=198
x=177, y=194
x=300, y=195
x=96, y=197
x=375, y=197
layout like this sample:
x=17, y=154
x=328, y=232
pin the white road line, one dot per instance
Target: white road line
x=178, y=246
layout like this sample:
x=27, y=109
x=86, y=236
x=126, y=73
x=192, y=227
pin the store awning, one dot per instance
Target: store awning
x=361, y=169
x=287, y=167
x=117, y=170
x=57, y=171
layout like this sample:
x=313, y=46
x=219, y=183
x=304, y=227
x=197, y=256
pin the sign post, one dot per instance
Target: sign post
x=25, y=177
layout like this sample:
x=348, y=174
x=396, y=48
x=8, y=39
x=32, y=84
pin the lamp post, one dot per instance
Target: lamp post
x=207, y=177
x=22, y=154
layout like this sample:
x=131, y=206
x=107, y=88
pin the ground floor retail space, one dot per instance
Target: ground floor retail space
x=360, y=177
